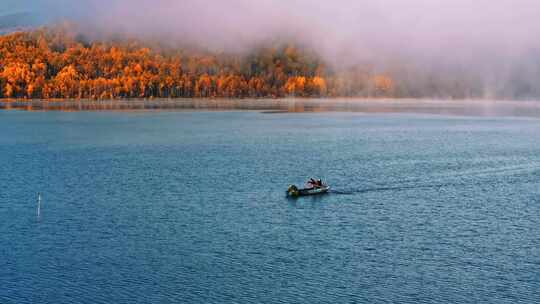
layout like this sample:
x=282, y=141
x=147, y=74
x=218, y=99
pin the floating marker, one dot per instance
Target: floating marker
x=39, y=204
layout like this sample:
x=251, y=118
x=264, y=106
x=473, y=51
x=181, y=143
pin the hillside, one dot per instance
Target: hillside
x=17, y=21
x=56, y=63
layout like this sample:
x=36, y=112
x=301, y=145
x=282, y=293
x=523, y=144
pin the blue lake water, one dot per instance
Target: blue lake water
x=190, y=207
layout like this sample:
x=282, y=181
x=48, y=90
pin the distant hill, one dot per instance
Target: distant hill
x=17, y=21
x=54, y=63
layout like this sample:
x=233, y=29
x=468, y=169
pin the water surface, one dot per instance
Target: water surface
x=189, y=207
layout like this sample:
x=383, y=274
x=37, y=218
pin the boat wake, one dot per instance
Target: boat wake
x=466, y=179
x=385, y=189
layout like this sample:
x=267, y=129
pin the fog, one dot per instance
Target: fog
x=493, y=43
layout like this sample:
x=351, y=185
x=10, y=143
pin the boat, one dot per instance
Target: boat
x=294, y=191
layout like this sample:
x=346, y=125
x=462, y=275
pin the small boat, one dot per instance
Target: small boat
x=294, y=191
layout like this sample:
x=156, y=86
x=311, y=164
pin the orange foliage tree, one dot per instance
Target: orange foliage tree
x=55, y=63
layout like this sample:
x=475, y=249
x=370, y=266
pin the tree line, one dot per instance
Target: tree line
x=52, y=63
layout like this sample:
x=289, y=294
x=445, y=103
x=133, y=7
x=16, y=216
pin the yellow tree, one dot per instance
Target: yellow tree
x=8, y=91
x=17, y=75
x=384, y=85
x=318, y=86
x=67, y=81
x=203, y=86
x=296, y=86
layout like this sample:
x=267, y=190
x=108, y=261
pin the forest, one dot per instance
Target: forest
x=55, y=63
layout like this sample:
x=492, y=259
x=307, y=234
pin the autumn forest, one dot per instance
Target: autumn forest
x=54, y=63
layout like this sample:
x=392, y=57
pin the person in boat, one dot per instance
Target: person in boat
x=315, y=184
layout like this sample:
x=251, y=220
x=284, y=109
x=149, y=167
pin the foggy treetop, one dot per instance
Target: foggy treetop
x=59, y=64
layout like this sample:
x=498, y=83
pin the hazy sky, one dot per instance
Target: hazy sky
x=459, y=29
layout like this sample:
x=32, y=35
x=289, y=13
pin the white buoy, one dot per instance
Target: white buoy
x=39, y=204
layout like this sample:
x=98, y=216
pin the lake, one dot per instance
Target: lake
x=190, y=207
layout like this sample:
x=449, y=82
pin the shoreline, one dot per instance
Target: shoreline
x=290, y=105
